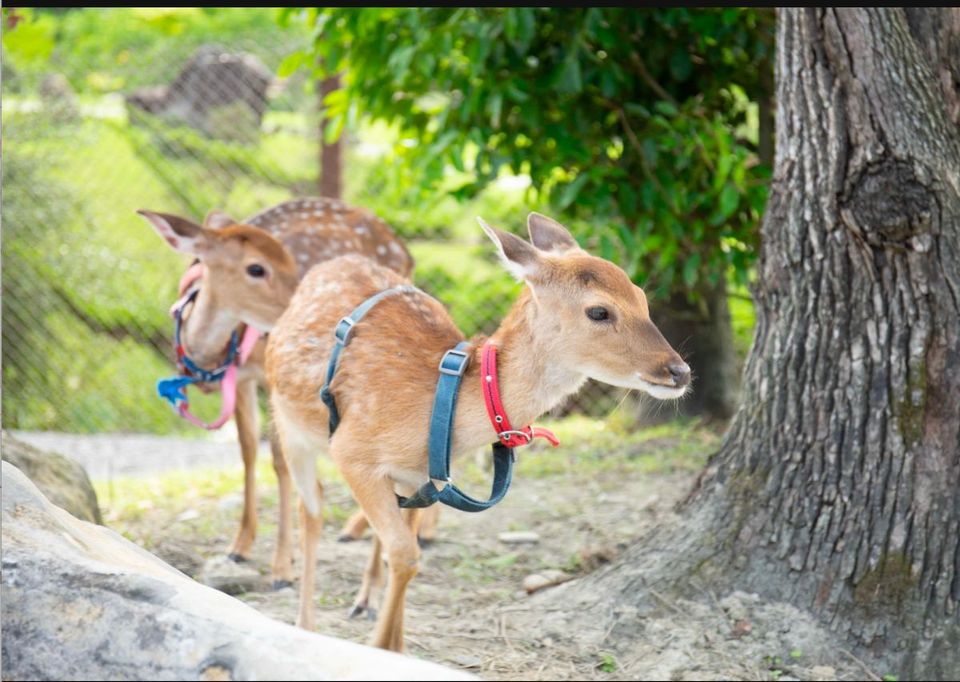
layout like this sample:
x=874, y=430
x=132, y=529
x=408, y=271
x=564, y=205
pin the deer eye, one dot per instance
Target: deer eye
x=598, y=313
x=256, y=270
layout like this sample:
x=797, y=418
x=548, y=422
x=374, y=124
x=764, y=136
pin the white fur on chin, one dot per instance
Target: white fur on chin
x=662, y=392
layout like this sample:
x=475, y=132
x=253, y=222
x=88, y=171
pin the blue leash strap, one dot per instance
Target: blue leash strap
x=174, y=389
x=452, y=367
x=341, y=334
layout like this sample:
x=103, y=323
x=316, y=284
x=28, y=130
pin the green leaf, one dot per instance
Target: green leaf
x=728, y=201
x=494, y=107
x=666, y=108
x=290, y=64
x=680, y=65
x=570, y=81
x=571, y=191
x=690, y=270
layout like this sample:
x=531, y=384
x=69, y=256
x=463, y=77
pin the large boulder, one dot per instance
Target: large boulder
x=221, y=93
x=62, y=480
x=81, y=602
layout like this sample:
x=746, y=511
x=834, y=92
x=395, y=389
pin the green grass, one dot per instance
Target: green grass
x=589, y=447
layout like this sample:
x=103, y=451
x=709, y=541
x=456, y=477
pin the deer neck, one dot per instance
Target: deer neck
x=207, y=328
x=531, y=377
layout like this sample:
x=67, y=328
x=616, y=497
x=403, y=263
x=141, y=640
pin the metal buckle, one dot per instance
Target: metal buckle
x=511, y=434
x=459, y=369
x=343, y=329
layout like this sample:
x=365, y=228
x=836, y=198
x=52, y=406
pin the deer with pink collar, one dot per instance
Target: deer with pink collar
x=242, y=279
x=371, y=395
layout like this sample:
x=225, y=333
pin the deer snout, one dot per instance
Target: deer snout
x=680, y=373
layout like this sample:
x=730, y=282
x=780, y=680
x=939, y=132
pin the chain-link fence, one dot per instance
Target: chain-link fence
x=201, y=123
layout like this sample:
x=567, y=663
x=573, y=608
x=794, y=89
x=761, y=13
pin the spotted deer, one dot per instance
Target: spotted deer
x=248, y=271
x=578, y=317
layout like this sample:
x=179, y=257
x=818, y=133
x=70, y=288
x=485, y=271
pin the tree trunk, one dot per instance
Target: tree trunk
x=331, y=155
x=701, y=332
x=837, y=486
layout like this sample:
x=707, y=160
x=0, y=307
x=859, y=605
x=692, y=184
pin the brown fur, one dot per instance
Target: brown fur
x=287, y=239
x=385, y=383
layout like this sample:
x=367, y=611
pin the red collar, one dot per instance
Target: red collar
x=509, y=436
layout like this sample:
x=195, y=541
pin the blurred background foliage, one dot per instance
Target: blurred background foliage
x=447, y=114
x=639, y=127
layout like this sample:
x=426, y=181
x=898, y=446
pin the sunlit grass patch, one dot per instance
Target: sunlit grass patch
x=590, y=445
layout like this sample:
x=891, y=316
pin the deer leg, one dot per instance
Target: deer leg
x=395, y=530
x=311, y=524
x=246, y=418
x=299, y=449
x=354, y=528
x=282, y=568
x=427, y=532
x=372, y=584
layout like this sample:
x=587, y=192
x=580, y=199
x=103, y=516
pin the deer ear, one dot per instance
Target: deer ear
x=181, y=234
x=217, y=220
x=549, y=235
x=518, y=257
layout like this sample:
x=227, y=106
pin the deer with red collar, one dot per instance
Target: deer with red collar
x=375, y=391
x=245, y=273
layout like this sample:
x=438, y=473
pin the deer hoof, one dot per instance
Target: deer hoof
x=345, y=537
x=237, y=558
x=278, y=585
x=424, y=542
x=360, y=608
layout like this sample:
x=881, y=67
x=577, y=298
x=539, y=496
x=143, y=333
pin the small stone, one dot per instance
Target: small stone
x=519, y=537
x=466, y=661
x=824, y=673
x=537, y=581
x=188, y=515
x=595, y=556
x=230, y=502
x=228, y=576
x=741, y=628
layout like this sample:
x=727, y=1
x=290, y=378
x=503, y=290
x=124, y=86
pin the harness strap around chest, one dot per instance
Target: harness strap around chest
x=341, y=334
x=452, y=367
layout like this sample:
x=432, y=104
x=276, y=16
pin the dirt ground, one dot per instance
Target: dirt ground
x=462, y=606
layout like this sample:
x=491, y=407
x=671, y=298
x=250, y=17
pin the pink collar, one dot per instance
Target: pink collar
x=490, y=385
x=228, y=386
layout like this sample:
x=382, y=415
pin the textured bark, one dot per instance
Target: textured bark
x=837, y=486
x=331, y=155
x=701, y=332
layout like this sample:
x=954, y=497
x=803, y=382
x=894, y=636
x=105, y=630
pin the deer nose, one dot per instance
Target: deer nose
x=680, y=373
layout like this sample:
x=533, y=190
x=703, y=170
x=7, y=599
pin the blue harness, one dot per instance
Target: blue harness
x=173, y=389
x=452, y=367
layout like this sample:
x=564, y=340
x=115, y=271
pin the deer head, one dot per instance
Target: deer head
x=594, y=320
x=248, y=276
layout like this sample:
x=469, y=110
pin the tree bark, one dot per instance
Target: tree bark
x=331, y=155
x=837, y=486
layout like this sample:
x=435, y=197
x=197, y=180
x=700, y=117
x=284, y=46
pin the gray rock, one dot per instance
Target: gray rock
x=231, y=577
x=62, y=480
x=548, y=578
x=221, y=93
x=81, y=602
x=518, y=537
x=824, y=673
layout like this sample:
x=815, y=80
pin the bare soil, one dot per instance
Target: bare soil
x=464, y=607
